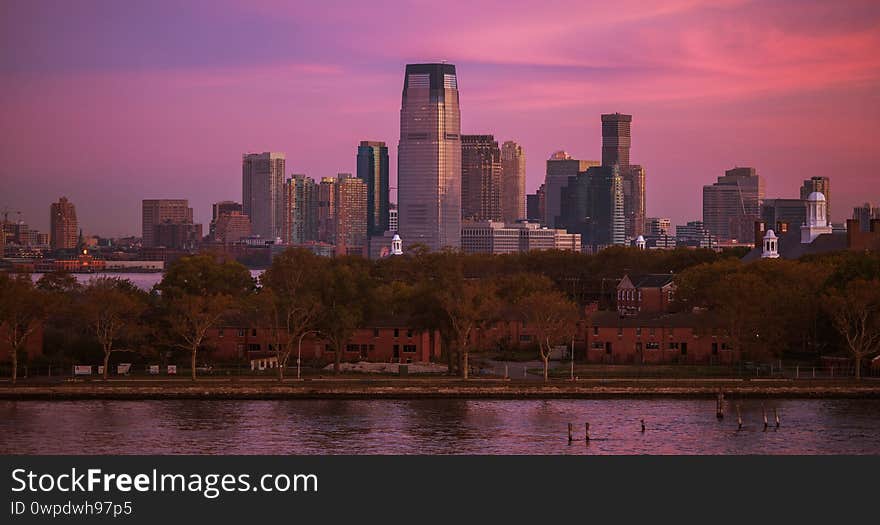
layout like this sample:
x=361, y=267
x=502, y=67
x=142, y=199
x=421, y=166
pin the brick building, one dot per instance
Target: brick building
x=385, y=341
x=645, y=294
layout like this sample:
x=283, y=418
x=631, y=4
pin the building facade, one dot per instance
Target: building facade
x=159, y=211
x=262, y=190
x=480, y=178
x=351, y=216
x=560, y=168
x=429, y=157
x=616, y=144
x=63, y=226
x=733, y=203
x=372, y=168
x=821, y=185
x=326, y=210
x=864, y=214
x=513, y=182
x=300, y=210
x=498, y=238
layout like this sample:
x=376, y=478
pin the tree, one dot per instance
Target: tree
x=111, y=309
x=344, y=293
x=22, y=309
x=471, y=307
x=289, y=300
x=196, y=293
x=855, y=312
x=553, y=318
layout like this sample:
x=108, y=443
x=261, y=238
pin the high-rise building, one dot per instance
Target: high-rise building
x=230, y=227
x=218, y=210
x=864, y=214
x=560, y=167
x=351, y=216
x=480, y=178
x=500, y=238
x=513, y=182
x=533, y=210
x=658, y=226
x=158, y=211
x=63, y=229
x=695, y=234
x=429, y=157
x=616, y=139
x=300, y=209
x=593, y=206
x=372, y=168
x=733, y=204
x=821, y=185
x=262, y=190
x=633, y=183
x=326, y=210
x=789, y=211
x=177, y=235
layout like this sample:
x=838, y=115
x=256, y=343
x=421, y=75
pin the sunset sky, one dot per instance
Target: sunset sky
x=112, y=102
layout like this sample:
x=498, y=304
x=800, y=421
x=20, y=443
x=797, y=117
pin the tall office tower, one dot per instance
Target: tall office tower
x=616, y=140
x=864, y=214
x=158, y=211
x=326, y=210
x=694, y=234
x=372, y=168
x=393, y=224
x=592, y=205
x=533, y=211
x=262, y=190
x=351, y=215
x=560, y=166
x=658, y=226
x=300, y=209
x=230, y=227
x=64, y=229
x=633, y=181
x=733, y=204
x=219, y=209
x=429, y=157
x=821, y=185
x=480, y=178
x=513, y=182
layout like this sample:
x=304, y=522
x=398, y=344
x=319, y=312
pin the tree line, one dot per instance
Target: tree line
x=770, y=308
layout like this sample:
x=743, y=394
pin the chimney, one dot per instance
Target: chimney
x=759, y=234
x=781, y=227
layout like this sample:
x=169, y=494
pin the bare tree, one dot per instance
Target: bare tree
x=190, y=317
x=22, y=309
x=553, y=318
x=111, y=308
x=855, y=313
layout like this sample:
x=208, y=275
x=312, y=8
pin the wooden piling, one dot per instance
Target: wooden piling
x=643, y=425
x=587, y=429
x=739, y=417
x=776, y=416
x=764, y=411
x=570, y=437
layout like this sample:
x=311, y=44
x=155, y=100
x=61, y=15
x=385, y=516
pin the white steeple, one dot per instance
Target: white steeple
x=817, y=222
x=640, y=242
x=771, y=246
x=396, y=245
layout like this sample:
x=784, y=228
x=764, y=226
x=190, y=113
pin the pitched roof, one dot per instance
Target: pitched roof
x=651, y=280
x=790, y=246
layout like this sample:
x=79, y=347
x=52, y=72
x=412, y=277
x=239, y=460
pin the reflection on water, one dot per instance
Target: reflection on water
x=434, y=427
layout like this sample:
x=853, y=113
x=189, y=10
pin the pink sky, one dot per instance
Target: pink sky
x=112, y=102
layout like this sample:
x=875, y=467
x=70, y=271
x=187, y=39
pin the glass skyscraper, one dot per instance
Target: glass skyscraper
x=429, y=157
x=372, y=168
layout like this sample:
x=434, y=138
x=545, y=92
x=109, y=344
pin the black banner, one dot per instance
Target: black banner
x=395, y=489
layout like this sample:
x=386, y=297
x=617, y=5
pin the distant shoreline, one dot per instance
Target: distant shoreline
x=438, y=389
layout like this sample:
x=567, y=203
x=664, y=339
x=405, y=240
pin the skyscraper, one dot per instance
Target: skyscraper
x=228, y=222
x=300, y=209
x=429, y=157
x=560, y=166
x=733, y=204
x=865, y=214
x=351, y=215
x=160, y=211
x=593, y=206
x=513, y=182
x=480, y=178
x=821, y=185
x=262, y=190
x=63, y=229
x=326, y=210
x=616, y=142
x=372, y=168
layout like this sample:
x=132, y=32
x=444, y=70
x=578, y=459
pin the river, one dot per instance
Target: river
x=674, y=426
x=143, y=280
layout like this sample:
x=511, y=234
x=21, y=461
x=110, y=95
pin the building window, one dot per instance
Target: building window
x=409, y=348
x=375, y=332
x=684, y=349
x=525, y=338
x=673, y=346
x=254, y=332
x=638, y=331
x=241, y=332
x=652, y=345
x=597, y=345
x=409, y=333
x=595, y=330
x=254, y=347
x=351, y=348
x=651, y=331
x=396, y=332
x=724, y=346
x=619, y=330
x=239, y=349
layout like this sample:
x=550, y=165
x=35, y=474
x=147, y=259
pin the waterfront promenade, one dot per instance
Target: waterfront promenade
x=437, y=388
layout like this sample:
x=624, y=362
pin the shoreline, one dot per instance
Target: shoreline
x=427, y=389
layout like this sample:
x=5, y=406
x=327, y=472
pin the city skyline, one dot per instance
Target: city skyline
x=177, y=111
